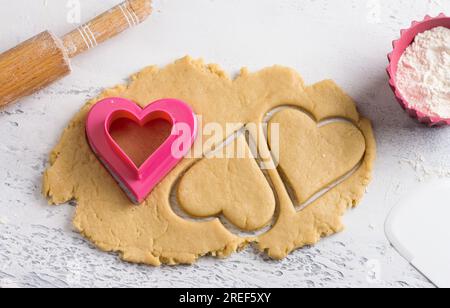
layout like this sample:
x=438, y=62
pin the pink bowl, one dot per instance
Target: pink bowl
x=400, y=45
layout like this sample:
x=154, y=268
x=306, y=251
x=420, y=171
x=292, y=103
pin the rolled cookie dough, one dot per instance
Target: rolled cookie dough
x=321, y=155
x=153, y=234
x=246, y=201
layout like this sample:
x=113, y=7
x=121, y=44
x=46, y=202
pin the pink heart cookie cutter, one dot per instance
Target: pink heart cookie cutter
x=139, y=182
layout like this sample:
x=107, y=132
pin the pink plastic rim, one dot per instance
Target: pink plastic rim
x=138, y=182
x=400, y=45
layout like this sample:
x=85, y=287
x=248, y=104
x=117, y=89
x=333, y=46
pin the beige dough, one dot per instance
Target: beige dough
x=246, y=201
x=313, y=155
x=321, y=155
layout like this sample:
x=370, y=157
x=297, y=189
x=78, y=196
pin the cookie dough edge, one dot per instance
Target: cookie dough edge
x=349, y=197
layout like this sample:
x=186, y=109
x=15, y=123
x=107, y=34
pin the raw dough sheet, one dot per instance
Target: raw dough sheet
x=327, y=152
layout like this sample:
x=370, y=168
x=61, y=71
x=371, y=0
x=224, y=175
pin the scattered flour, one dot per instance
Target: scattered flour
x=3, y=221
x=8, y=283
x=424, y=170
x=423, y=75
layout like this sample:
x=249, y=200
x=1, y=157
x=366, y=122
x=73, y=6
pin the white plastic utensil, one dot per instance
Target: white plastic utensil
x=419, y=228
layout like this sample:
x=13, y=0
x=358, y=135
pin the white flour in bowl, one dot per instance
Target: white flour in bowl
x=423, y=75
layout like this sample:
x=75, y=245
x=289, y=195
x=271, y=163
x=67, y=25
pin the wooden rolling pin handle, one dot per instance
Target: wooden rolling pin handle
x=111, y=23
x=31, y=66
x=44, y=59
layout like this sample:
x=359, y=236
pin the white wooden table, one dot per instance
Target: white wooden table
x=346, y=40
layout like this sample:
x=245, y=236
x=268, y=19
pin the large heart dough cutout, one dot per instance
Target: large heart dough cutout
x=312, y=157
x=246, y=201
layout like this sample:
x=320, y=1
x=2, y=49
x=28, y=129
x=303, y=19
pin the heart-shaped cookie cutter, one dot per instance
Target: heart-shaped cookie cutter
x=138, y=182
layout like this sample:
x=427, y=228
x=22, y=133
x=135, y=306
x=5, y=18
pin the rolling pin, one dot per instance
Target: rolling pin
x=45, y=58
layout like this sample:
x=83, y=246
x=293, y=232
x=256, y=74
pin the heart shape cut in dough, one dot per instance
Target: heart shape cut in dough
x=312, y=157
x=136, y=181
x=245, y=199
